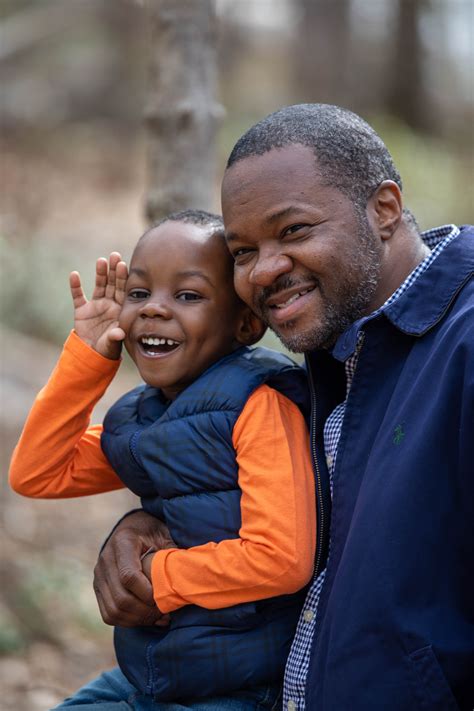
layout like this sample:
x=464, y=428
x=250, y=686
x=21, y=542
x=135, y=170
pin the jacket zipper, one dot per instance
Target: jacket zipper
x=321, y=522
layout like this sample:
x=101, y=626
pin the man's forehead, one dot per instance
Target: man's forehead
x=273, y=182
x=272, y=168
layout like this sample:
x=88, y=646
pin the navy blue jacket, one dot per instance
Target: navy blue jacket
x=395, y=628
x=179, y=458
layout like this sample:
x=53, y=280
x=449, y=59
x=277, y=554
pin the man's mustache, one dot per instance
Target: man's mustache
x=281, y=284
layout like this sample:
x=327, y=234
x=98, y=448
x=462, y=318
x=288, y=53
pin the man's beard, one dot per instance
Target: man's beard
x=350, y=303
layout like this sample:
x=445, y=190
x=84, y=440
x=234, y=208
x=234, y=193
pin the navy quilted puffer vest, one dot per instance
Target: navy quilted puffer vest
x=180, y=460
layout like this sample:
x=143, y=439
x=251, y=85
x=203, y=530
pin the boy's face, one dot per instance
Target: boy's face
x=181, y=313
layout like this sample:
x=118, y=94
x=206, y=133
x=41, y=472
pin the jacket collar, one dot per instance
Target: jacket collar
x=425, y=303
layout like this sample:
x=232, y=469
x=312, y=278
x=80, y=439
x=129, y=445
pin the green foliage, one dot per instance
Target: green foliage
x=34, y=289
x=11, y=638
x=56, y=596
x=436, y=175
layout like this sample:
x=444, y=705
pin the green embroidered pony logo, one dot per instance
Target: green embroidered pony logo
x=398, y=435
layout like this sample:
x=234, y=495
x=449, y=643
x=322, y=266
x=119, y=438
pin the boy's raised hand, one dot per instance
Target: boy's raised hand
x=96, y=321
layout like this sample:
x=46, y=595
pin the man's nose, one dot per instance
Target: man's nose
x=156, y=308
x=269, y=267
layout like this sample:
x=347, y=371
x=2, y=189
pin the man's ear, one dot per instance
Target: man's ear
x=250, y=328
x=385, y=209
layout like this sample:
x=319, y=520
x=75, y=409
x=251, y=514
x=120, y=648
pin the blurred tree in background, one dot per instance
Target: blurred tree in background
x=181, y=111
x=111, y=115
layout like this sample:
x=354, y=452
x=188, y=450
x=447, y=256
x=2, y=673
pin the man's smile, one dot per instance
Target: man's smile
x=286, y=304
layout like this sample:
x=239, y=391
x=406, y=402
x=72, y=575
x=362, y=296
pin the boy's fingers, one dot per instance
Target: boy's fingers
x=116, y=334
x=77, y=293
x=121, y=275
x=101, y=270
x=114, y=260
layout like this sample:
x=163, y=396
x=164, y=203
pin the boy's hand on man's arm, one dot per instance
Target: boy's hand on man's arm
x=123, y=590
x=96, y=321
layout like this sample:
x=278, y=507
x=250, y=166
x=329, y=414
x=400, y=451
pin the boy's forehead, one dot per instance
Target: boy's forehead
x=180, y=243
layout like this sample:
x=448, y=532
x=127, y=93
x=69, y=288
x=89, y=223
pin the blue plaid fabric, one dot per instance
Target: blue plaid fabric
x=298, y=660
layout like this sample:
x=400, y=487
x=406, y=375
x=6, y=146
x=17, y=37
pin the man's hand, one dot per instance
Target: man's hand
x=123, y=591
x=96, y=321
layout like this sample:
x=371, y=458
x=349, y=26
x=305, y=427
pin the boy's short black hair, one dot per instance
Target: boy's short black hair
x=192, y=216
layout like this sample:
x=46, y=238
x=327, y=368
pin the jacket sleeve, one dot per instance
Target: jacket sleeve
x=274, y=554
x=58, y=454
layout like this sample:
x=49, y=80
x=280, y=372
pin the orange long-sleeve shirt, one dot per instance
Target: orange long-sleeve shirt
x=59, y=455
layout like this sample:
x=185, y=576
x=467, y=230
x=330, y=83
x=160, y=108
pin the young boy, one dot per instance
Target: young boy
x=212, y=446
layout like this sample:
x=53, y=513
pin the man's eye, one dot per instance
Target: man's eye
x=136, y=294
x=241, y=255
x=189, y=296
x=293, y=229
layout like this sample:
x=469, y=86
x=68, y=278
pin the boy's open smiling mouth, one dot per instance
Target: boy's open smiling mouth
x=157, y=346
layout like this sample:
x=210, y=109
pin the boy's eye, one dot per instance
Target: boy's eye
x=136, y=294
x=188, y=296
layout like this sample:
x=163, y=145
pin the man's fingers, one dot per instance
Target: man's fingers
x=128, y=552
x=121, y=559
x=124, y=612
x=163, y=621
x=124, y=593
x=117, y=605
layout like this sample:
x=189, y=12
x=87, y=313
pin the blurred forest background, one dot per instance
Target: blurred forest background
x=82, y=165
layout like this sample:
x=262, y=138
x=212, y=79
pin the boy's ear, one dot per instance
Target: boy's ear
x=250, y=328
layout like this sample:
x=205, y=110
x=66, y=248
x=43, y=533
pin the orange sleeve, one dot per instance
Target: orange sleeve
x=58, y=455
x=274, y=554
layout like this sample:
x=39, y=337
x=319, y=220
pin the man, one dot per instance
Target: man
x=326, y=254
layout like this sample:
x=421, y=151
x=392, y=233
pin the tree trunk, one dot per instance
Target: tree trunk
x=322, y=58
x=407, y=96
x=181, y=112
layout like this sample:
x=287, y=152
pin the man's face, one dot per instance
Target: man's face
x=306, y=261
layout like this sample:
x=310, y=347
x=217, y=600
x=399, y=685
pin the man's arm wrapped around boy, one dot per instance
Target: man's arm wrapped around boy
x=274, y=553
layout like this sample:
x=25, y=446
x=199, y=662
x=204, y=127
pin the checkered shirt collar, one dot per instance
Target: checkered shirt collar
x=436, y=239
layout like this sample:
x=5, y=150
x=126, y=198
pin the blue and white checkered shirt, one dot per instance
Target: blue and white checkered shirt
x=298, y=660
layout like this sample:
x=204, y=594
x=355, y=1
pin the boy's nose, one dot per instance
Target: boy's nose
x=269, y=267
x=155, y=309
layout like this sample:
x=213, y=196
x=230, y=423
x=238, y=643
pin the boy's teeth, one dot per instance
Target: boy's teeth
x=148, y=341
x=292, y=298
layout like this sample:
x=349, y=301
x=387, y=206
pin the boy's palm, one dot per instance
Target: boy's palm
x=96, y=321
